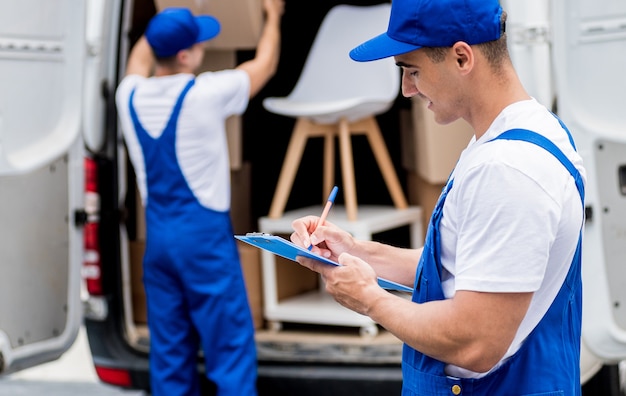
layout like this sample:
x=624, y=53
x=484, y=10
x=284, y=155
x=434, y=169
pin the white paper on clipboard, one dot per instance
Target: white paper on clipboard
x=286, y=249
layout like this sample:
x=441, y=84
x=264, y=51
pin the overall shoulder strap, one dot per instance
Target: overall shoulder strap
x=175, y=110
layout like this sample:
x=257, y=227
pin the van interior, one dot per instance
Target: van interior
x=257, y=144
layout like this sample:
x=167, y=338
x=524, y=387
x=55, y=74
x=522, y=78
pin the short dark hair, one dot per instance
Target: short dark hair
x=495, y=51
x=165, y=60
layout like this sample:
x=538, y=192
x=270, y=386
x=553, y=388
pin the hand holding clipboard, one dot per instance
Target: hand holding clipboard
x=286, y=249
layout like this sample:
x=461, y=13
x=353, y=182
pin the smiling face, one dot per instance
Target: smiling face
x=474, y=83
x=439, y=82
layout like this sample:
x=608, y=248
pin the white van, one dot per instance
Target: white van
x=70, y=225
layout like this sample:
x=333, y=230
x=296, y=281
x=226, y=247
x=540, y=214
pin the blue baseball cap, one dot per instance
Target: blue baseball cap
x=175, y=29
x=414, y=24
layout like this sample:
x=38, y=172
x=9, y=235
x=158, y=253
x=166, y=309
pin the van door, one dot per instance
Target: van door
x=43, y=54
x=589, y=41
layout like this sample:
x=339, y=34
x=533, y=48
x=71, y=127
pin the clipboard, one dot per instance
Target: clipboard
x=286, y=249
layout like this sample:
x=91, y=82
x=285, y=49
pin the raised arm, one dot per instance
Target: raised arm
x=472, y=330
x=141, y=60
x=263, y=66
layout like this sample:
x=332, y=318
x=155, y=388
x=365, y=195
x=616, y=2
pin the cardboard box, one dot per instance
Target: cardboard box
x=240, y=194
x=234, y=140
x=293, y=279
x=138, y=294
x=423, y=194
x=140, y=216
x=433, y=149
x=251, y=267
x=214, y=60
x=241, y=20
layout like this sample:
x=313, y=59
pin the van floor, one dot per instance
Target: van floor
x=315, y=344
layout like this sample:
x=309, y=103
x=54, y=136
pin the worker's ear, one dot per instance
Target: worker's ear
x=463, y=56
x=183, y=56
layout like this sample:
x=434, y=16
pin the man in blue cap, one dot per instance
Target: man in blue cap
x=496, y=305
x=174, y=127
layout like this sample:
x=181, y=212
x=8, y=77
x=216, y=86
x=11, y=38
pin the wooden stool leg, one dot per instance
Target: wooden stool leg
x=329, y=163
x=290, y=167
x=379, y=148
x=347, y=169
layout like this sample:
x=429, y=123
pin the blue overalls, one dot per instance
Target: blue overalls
x=194, y=285
x=548, y=361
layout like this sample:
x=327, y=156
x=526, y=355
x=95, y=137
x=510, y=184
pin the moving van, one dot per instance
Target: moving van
x=71, y=223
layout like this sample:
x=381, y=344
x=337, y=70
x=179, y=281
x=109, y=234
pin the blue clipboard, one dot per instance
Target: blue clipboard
x=284, y=248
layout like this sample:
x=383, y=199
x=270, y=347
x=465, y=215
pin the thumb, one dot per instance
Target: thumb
x=347, y=259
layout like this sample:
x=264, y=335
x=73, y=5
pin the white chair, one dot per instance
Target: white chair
x=338, y=97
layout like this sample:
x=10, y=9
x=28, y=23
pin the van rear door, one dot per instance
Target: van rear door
x=588, y=50
x=43, y=54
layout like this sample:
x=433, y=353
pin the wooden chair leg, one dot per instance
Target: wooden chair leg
x=347, y=169
x=383, y=159
x=290, y=166
x=329, y=163
x=305, y=129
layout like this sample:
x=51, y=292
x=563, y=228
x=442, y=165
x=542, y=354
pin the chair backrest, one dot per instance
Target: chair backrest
x=330, y=74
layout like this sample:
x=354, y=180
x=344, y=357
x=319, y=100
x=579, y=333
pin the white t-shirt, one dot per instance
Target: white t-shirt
x=201, y=145
x=512, y=219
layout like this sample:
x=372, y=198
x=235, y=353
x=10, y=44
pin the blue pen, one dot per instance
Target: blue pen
x=329, y=204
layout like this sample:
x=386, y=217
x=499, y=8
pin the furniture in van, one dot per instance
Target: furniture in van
x=336, y=97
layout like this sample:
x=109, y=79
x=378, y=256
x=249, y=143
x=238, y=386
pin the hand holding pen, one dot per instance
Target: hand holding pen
x=329, y=204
